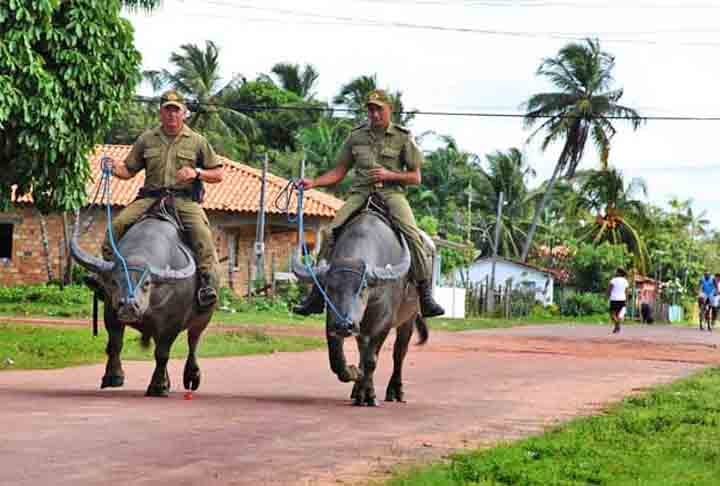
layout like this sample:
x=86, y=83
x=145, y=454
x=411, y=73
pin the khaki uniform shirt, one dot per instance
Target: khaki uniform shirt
x=162, y=157
x=364, y=149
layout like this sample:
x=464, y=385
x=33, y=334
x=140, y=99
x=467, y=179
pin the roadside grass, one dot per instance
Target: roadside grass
x=472, y=323
x=36, y=347
x=668, y=436
x=75, y=302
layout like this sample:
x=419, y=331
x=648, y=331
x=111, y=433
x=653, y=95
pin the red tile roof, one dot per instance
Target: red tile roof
x=238, y=192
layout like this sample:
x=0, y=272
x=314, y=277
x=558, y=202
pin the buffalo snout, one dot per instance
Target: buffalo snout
x=129, y=310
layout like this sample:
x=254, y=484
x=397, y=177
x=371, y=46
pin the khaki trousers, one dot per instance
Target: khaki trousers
x=197, y=228
x=402, y=215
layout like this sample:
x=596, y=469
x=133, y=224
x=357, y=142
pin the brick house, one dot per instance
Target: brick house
x=232, y=207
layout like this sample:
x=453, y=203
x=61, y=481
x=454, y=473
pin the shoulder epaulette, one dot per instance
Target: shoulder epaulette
x=362, y=125
x=402, y=128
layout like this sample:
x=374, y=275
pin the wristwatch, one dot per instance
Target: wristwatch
x=198, y=173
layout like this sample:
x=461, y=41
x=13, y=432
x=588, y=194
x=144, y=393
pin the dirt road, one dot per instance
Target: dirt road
x=285, y=420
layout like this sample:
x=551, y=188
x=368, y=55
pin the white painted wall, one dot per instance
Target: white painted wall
x=452, y=300
x=504, y=270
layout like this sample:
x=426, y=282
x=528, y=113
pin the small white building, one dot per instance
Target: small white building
x=524, y=276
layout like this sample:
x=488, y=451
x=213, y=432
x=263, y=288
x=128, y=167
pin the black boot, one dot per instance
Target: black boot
x=428, y=306
x=314, y=303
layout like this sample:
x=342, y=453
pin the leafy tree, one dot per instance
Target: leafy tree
x=354, y=95
x=66, y=70
x=197, y=77
x=321, y=143
x=593, y=265
x=300, y=81
x=272, y=109
x=580, y=109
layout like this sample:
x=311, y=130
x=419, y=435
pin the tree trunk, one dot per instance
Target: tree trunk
x=46, y=246
x=67, y=277
x=541, y=205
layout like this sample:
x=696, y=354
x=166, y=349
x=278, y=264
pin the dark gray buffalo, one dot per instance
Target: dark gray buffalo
x=366, y=281
x=156, y=296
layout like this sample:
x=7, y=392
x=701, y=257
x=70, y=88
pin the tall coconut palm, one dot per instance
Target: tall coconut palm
x=197, y=77
x=300, y=81
x=583, y=107
x=619, y=214
x=447, y=171
x=506, y=172
x=354, y=94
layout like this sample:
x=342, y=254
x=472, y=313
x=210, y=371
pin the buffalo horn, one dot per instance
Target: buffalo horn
x=303, y=273
x=92, y=263
x=182, y=274
x=376, y=275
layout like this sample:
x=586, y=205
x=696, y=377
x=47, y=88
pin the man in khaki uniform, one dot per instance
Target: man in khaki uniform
x=386, y=159
x=177, y=161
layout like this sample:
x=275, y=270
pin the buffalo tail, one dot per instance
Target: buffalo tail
x=422, y=328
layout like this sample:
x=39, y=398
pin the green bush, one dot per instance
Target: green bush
x=44, y=294
x=545, y=312
x=583, y=304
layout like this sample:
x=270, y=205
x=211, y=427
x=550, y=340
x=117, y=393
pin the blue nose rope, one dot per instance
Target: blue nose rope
x=343, y=320
x=106, y=195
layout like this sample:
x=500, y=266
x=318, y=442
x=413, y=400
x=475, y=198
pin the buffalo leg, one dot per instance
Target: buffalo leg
x=160, y=383
x=191, y=375
x=364, y=390
x=338, y=363
x=114, y=375
x=394, y=390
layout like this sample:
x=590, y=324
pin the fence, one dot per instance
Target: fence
x=508, y=302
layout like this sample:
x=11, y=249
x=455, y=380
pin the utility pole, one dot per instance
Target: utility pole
x=498, y=223
x=469, y=211
x=260, y=228
x=301, y=223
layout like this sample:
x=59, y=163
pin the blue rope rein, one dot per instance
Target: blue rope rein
x=105, y=181
x=343, y=320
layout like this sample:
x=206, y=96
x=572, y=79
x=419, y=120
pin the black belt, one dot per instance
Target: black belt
x=145, y=192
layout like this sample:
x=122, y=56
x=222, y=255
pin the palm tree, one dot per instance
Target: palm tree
x=618, y=214
x=300, y=81
x=446, y=173
x=354, y=94
x=197, y=77
x=506, y=172
x=583, y=107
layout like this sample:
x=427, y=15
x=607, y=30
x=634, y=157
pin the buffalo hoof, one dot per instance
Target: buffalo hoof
x=394, y=393
x=191, y=378
x=112, y=381
x=368, y=402
x=157, y=391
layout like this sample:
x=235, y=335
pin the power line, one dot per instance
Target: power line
x=338, y=109
x=354, y=21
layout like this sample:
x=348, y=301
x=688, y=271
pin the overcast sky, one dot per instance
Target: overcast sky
x=481, y=56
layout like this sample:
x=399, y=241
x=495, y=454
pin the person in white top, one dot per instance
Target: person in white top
x=617, y=292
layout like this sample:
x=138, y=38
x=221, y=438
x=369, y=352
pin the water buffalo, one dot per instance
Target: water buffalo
x=366, y=280
x=154, y=292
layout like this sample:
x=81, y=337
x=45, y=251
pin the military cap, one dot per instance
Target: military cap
x=172, y=98
x=378, y=97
